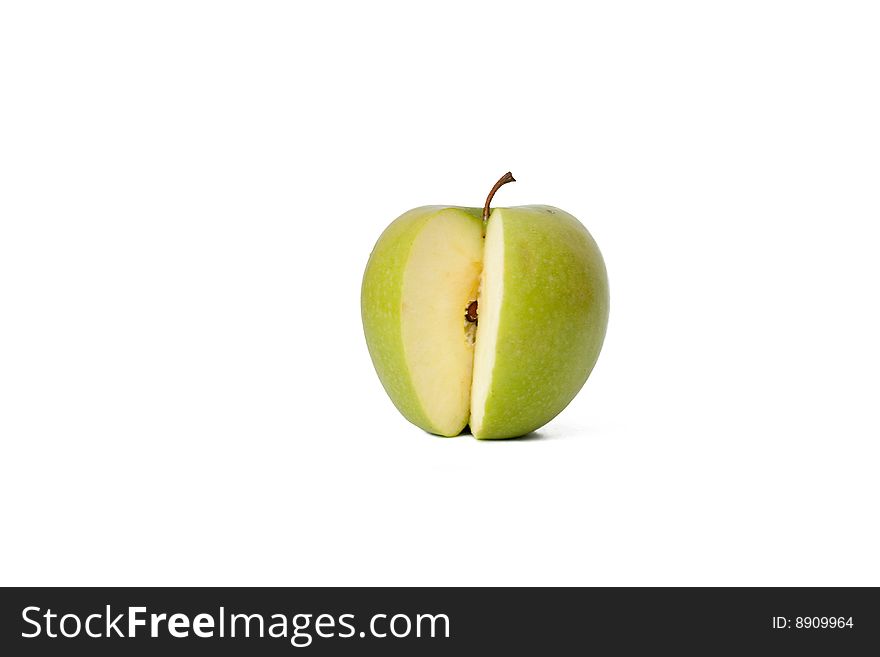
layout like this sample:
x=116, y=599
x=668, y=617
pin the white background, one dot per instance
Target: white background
x=189, y=193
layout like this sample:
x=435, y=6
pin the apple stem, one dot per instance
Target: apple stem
x=503, y=180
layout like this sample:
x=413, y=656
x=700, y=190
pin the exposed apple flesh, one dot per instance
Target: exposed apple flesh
x=489, y=313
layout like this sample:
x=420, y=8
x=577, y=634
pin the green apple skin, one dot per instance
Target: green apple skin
x=552, y=322
x=381, y=310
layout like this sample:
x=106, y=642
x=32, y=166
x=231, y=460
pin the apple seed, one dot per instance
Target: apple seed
x=471, y=312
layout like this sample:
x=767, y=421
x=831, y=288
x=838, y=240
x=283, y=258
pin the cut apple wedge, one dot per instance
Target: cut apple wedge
x=494, y=324
x=422, y=275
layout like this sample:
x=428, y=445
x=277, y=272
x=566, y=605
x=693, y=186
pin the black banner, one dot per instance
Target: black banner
x=436, y=621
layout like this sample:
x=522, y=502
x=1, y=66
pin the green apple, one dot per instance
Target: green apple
x=492, y=319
